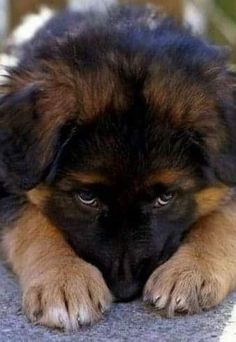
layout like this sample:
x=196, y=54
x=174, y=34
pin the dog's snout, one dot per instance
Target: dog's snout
x=125, y=281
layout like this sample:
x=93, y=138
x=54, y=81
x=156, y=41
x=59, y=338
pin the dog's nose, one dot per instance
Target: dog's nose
x=125, y=278
x=124, y=291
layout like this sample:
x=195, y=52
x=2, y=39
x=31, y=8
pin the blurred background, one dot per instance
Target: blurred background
x=215, y=19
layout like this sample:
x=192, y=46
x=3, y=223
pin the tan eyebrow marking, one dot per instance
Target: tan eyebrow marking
x=170, y=177
x=88, y=177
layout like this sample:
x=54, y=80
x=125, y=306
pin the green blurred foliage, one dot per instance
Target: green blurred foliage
x=228, y=8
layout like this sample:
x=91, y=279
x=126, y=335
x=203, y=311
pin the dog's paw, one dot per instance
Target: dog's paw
x=67, y=297
x=184, y=286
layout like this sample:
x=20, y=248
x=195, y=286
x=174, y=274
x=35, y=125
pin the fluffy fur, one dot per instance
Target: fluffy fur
x=117, y=166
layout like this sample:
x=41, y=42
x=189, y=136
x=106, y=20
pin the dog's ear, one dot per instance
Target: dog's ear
x=45, y=103
x=223, y=159
x=31, y=137
x=225, y=168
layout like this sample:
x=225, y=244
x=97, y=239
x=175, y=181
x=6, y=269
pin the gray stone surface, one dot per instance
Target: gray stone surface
x=125, y=322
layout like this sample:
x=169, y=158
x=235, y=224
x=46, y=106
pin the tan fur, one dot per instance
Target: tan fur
x=59, y=289
x=211, y=198
x=38, y=195
x=202, y=272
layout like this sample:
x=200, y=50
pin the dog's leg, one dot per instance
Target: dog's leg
x=202, y=272
x=59, y=289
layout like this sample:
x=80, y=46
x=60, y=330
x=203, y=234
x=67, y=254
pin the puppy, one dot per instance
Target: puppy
x=117, y=166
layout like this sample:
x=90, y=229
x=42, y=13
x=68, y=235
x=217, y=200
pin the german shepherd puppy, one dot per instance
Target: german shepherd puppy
x=117, y=166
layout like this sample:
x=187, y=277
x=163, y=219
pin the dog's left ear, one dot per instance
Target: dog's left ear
x=225, y=168
x=32, y=134
x=223, y=161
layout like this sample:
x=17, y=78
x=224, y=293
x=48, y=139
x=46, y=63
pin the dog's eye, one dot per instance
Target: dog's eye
x=86, y=197
x=163, y=200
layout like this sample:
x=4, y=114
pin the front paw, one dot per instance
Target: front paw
x=183, y=285
x=67, y=296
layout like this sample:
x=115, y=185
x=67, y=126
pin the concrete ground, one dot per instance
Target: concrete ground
x=125, y=322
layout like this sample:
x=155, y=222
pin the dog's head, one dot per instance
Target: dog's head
x=123, y=134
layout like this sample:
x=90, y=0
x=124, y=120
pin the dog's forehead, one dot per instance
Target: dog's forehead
x=161, y=90
x=128, y=145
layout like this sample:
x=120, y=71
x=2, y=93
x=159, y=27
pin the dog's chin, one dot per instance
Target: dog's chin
x=123, y=293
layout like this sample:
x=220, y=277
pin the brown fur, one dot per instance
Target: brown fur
x=173, y=95
x=93, y=91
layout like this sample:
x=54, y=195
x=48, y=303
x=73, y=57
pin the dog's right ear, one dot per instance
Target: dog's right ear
x=29, y=138
x=223, y=161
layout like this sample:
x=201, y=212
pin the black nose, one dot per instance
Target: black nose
x=124, y=291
